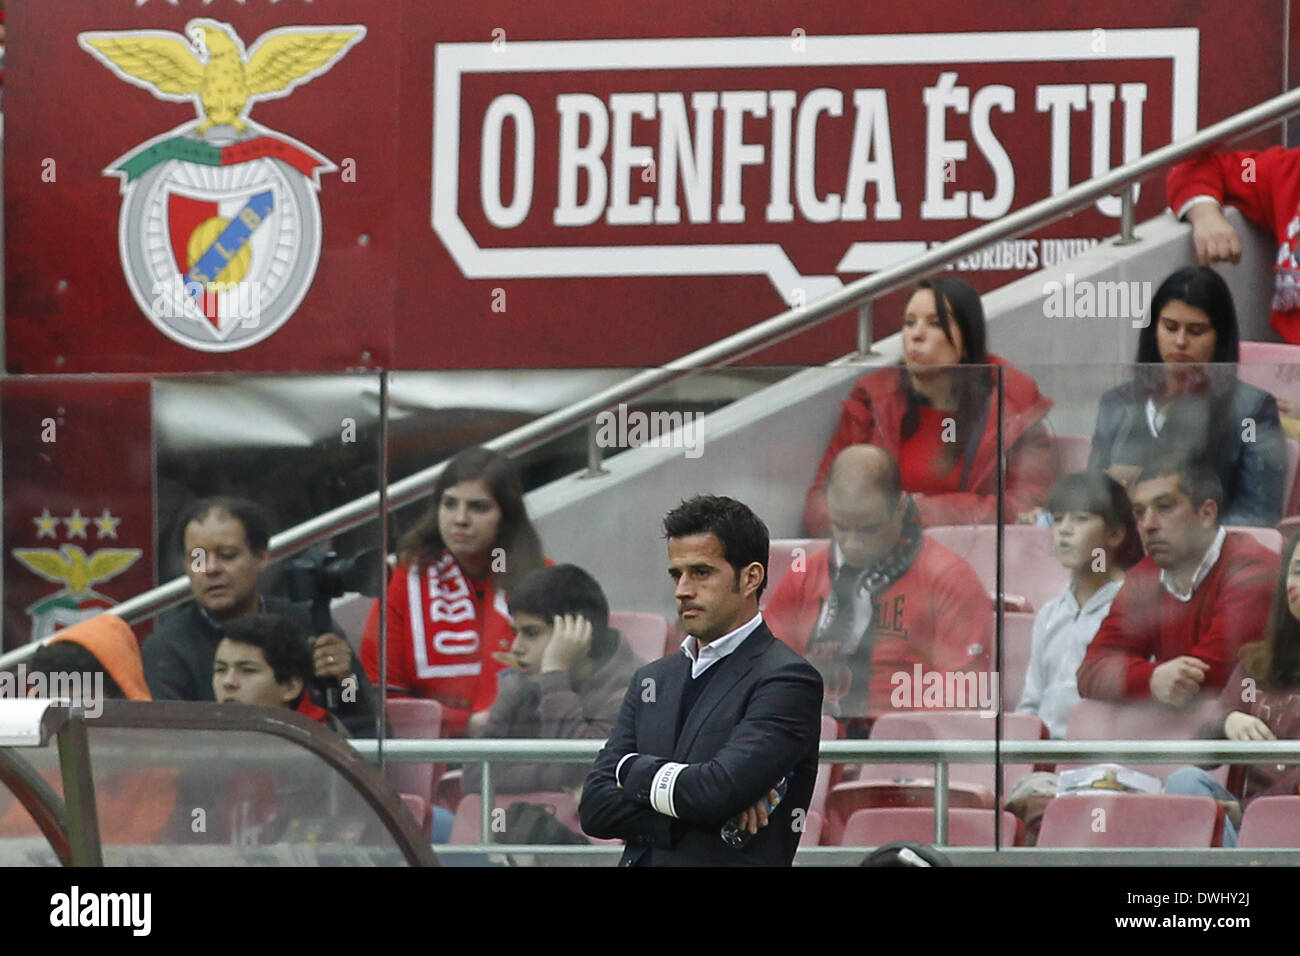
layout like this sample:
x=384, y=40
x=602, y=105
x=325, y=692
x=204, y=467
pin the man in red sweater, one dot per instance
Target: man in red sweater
x=1265, y=186
x=882, y=606
x=1184, y=610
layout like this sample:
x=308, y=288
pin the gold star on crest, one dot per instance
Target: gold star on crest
x=76, y=523
x=106, y=525
x=46, y=525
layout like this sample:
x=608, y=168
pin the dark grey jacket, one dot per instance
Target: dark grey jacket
x=1253, y=472
x=178, y=659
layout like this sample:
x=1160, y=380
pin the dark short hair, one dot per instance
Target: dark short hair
x=69, y=657
x=567, y=589
x=743, y=535
x=1202, y=288
x=1097, y=493
x=1094, y=492
x=282, y=643
x=253, y=517
x=1199, y=481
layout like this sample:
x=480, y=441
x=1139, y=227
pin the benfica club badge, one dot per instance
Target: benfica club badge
x=74, y=569
x=220, y=229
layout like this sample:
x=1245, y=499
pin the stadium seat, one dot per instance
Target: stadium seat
x=419, y=808
x=1030, y=568
x=781, y=555
x=1270, y=538
x=912, y=785
x=1271, y=822
x=1288, y=527
x=1072, y=452
x=1265, y=353
x=415, y=719
x=1131, y=819
x=966, y=827
x=828, y=775
x=1017, y=641
x=1116, y=720
x=812, y=831
x=467, y=827
x=673, y=640
x=644, y=633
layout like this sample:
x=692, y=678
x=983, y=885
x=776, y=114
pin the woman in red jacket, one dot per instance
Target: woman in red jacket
x=940, y=422
x=447, y=616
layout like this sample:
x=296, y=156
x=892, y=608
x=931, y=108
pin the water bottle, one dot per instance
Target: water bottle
x=737, y=838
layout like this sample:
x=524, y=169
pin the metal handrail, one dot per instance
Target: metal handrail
x=873, y=751
x=940, y=753
x=763, y=335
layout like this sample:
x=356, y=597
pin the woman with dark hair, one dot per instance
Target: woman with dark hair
x=1178, y=402
x=939, y=422
x=1261, y=701
x=447, y=615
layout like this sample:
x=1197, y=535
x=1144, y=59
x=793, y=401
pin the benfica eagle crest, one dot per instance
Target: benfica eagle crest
x=220, y=228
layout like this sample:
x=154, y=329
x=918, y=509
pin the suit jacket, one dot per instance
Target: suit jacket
x=756, y=721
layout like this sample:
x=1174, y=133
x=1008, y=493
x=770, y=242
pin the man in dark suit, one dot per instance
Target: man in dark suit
x=706, y=736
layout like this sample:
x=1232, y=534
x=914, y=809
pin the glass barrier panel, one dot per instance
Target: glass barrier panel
x=909, y=647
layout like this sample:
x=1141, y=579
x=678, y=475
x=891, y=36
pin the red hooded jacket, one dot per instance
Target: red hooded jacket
x=873, y=415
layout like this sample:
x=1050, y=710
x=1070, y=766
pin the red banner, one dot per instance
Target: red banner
x=555, y=185
x=78, y=501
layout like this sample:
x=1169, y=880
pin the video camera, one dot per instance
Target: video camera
x=319, y=575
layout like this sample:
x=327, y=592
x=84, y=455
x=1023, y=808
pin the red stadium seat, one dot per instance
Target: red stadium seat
x=781, y=554
x=1131, y=819
x=1030, y=568
x=966, y=827
x=1264, y=353
x=415, y=719
x=1271, y=822
x=912, y=785
x=1072, y=453
x=1017, y=642
x=646, y=634
x=812, y=831
x=1115, y=720
x=419, y=808
x=828, y=775
x=1288, y=527
x=1270, y=538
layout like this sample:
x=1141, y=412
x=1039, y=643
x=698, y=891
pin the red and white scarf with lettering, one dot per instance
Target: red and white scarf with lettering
x=455, y=633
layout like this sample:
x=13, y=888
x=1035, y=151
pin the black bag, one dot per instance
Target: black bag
x=536, y=823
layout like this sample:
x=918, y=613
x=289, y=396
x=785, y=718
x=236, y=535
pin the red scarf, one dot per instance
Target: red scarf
x=455, y=632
